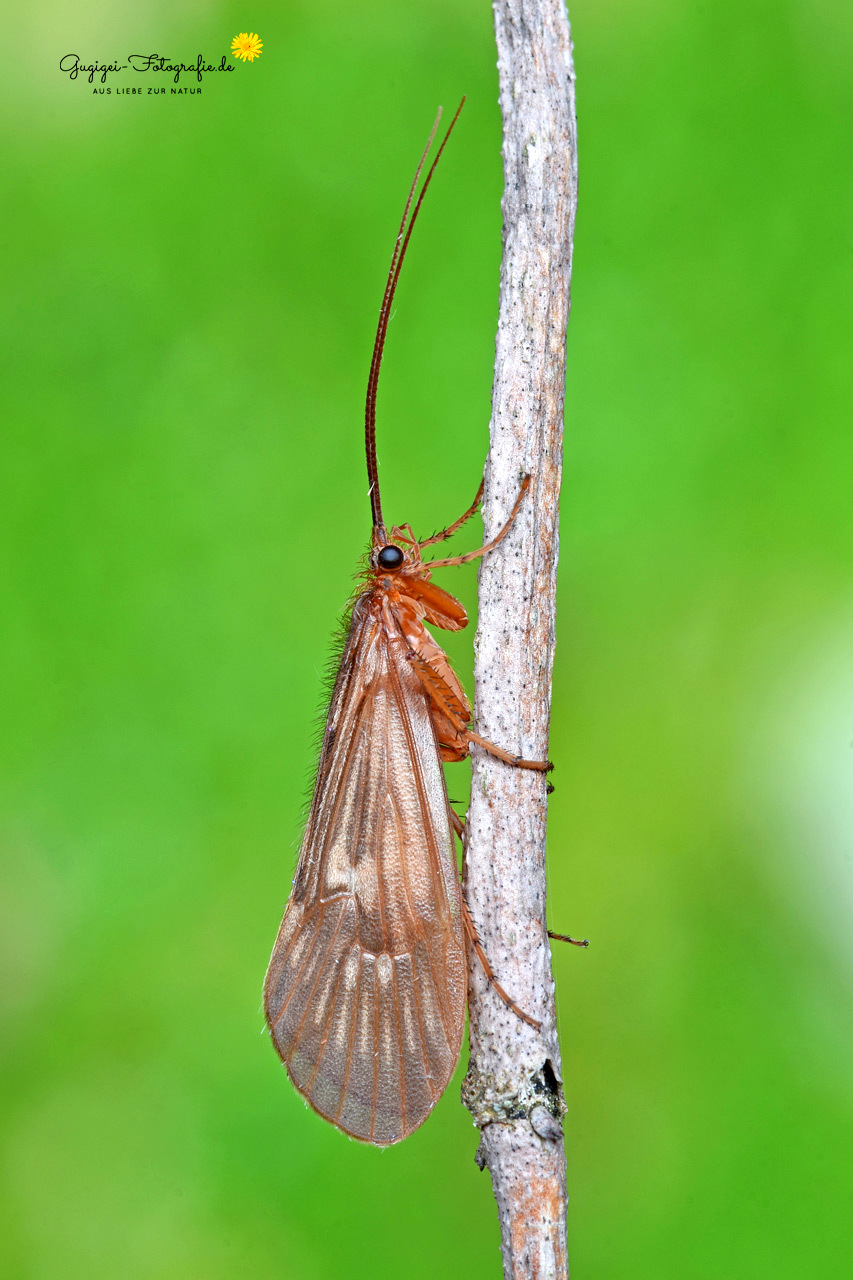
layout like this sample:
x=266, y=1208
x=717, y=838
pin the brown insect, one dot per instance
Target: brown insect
x=365, y=994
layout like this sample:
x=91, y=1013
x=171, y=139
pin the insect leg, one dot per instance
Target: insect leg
x=471, y=930
x=403, y=529
x=564, y=937
x=459, y=828
x=481, y=551
x=542, y=766
x=457, y=524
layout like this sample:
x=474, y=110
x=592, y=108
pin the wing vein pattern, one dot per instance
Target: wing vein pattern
x=365, y=991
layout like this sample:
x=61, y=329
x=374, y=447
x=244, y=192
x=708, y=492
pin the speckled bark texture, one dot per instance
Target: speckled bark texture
x=513, y=1086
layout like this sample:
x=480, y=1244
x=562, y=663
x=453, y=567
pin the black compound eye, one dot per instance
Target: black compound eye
x=390, y=558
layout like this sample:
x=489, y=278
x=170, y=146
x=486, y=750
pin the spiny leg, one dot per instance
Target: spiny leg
x=481, y=551
x=459, y=828
x=471, y=930
x=564, y=937
x=541, y=766
x=457, y=524
x=399, y=534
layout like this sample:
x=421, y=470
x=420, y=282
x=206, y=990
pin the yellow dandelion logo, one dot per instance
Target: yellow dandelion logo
x=248, y=47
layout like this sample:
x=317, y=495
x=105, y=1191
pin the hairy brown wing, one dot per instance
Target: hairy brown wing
x=366, y=988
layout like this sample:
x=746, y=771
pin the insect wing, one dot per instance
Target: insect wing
x=365, y=992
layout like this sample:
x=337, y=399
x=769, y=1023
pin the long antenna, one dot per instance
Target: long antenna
x=400, y=246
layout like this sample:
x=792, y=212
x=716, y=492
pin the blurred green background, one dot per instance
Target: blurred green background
x=190, y=286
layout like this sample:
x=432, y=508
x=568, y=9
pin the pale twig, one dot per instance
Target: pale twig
x=513, y=1087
